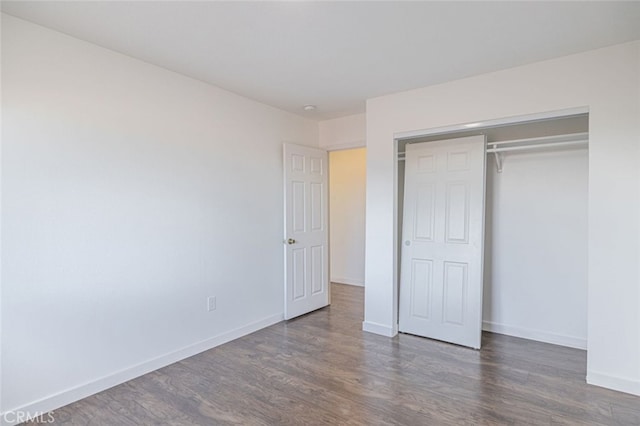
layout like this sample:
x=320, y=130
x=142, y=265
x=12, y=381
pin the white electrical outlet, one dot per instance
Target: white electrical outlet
x=211, y=303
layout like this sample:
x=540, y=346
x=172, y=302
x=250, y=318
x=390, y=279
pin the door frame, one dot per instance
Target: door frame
x=447, y=132
x=330, y=148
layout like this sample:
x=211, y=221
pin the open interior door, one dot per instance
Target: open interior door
x=306, y=230
x=443, y=240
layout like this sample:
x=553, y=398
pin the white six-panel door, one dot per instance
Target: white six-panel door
x=306, y=230
x=442, y=240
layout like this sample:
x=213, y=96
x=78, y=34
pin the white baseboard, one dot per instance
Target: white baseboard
x=53, y=402
x=381, y=329
x=350, y=281
x=612, y=382
x=540, y=336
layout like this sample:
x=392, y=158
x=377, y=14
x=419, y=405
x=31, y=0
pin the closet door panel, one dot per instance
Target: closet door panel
x=442, y=250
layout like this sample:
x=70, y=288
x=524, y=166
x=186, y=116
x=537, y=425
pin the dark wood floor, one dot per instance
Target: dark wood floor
x=323, y=369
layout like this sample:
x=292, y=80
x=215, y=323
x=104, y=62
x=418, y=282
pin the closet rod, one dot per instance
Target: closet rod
x=536, y=146
x=544, y=140
x=571, y=139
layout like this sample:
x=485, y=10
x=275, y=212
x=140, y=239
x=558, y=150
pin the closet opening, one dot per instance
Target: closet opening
x=535, y=224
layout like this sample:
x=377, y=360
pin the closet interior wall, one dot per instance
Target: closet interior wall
x=535, y=256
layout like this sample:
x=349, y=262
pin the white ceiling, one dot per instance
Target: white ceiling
x=336, y=54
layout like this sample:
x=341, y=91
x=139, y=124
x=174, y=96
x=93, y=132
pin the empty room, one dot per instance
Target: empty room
x=363, y=213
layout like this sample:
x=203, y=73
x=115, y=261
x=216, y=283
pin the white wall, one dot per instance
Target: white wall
x=343, y=133
x=130, y=194
x=347, y=183
x=535, y=273
x=607, y=81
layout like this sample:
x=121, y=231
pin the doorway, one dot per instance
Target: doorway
x=347, y=198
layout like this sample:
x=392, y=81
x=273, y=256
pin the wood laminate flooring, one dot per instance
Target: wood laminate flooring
x=323, y=369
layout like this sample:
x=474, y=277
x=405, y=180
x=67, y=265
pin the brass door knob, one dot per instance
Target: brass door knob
x=291, y=241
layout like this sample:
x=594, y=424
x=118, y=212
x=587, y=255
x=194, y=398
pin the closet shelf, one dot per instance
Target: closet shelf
x=537, y=146
x=545, y=142
x=557, y=141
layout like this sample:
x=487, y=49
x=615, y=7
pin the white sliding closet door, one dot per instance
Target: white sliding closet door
x=442, y=240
